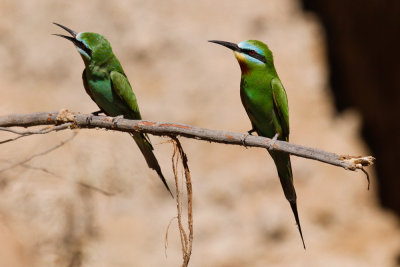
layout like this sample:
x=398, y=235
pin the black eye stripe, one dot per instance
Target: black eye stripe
x=82, y=46
x=254, y=54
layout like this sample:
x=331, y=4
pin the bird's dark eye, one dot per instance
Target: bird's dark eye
x=252, y=52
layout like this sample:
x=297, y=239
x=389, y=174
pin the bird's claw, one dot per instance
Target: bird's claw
x=244, y=136
x=251, y=131
x=91, y=115
x=116, y=119
x=272, y=142
x=96, y=113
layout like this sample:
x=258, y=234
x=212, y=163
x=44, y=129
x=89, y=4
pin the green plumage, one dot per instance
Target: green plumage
x=265, y=101
x=107, y=85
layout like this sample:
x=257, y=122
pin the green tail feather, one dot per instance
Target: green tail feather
x=284, y=168
x=147, y=150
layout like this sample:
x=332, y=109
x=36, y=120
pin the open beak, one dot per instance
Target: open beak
x=229, y=45
x=77, y=43
x=73, y=33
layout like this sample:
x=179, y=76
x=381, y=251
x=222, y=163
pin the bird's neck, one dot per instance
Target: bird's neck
x=97, y=71
x=256, y=70
x=244, y=68
x=104, y=67
x=258, y=74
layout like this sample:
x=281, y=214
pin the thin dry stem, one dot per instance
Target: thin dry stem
x=186, y=241
x=44, y=130
x=166, y=236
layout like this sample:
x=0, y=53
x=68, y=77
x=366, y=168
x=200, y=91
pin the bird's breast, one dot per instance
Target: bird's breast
x=256, y=96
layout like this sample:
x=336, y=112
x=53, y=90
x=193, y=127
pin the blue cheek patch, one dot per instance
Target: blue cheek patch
x=83, y=53
x=253, y=60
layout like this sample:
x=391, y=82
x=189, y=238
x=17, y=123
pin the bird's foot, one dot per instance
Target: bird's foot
x=116, y=119
x=272, y=142
x=243, y=139
x=96, y=113
x=91, y=115
x=251, y=131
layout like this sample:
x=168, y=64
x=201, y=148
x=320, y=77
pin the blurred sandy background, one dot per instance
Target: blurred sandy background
x=241, y=217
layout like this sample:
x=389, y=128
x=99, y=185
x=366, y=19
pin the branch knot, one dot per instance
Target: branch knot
x=357, y=162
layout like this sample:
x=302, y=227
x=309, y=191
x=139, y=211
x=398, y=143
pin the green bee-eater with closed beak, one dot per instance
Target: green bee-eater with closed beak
x=266, y=104
x=107, y=85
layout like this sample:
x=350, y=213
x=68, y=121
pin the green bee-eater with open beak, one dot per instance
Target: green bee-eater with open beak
x=107, y=85
x=266, y=104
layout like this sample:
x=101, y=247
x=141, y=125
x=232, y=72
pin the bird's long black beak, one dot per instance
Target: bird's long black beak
x=229, y=45
x=73, y=39
x=73, y=33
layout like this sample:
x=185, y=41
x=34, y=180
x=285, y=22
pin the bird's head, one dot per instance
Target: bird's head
x=250, y=54
x=92, y=46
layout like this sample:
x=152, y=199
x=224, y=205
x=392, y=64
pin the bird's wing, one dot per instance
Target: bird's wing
x=281, y=106
x=123, y=89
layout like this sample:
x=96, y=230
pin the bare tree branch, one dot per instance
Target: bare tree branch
x=65, y=119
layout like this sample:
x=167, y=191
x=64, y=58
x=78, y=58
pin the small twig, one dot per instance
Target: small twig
x=11, y=139
x=166, y=236
x=44, y=130
x=358, y=162
x=366, y=173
